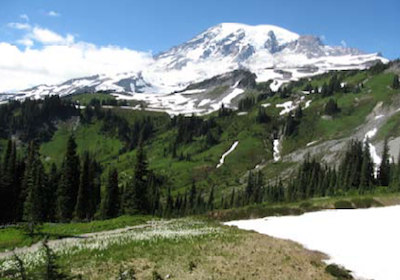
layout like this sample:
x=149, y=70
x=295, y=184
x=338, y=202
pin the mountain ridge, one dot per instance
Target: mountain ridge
x=268, y=51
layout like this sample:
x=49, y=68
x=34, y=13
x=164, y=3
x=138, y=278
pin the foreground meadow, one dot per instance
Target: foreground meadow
x=176, y=249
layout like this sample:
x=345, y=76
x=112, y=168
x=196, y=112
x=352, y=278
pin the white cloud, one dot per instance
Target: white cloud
x=25, y=42
x=24, y=17
x=57, y=58
x=53, y=64
x=344, y=44
x=48, y=37
x=20, y=26
x=53, y=14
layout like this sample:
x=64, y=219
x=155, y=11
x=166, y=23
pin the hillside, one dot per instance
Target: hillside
x=183, y=149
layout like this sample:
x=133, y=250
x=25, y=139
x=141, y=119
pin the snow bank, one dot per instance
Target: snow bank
x=222, y=160
x=365, y=241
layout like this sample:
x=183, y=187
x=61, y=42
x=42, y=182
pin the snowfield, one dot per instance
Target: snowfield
x=365, y=241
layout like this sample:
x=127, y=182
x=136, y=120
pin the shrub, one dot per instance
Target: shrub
x=306, y=205
x=343, y=204
x=338, y=272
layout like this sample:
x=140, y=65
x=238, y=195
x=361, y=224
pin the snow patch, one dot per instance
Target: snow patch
x=379, y=117
x=288, y=107
x=242, y=113
x=312, y=143
x=374, y=155
x=368, y=246
x=277, y=155
x=232, y=148
x=266, y=105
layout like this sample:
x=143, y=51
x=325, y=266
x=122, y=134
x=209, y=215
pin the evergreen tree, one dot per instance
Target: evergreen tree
x=384, y=169
x=331, y=107
x=250, y=187
x=232, y=201
x=367, y=170
x=68, y=188
x=111, y=202
x=137, y=193
x=86, y=188
x=51, y=193
x=210, y=204
x=396, y=84
x=8, y=187
x=35, y=181
x=192, y=195
x=170, y=203
x=51, y=269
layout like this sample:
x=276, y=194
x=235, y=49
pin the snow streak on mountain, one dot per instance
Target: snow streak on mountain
x=268, y=51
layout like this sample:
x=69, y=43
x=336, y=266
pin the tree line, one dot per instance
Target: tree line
x=356, y=174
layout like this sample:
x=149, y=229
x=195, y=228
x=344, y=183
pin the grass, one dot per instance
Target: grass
x=14, y=237
x=390, y=129
x=88, y=138
x=190, y=249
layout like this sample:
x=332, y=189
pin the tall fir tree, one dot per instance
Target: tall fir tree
x=35, y=182
x=8, y=187
x=384, y=168
x=86, y=189
x=111, y=202
x=367, y=170
x=210, y=204
x=396, y=83
x=136, y=198
x=193, y=195
x=68, y=187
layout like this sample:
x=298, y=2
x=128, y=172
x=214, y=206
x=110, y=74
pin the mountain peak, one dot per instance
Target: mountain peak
x=268, y=51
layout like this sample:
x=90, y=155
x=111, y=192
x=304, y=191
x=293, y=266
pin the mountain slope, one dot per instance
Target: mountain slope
x=270, y=52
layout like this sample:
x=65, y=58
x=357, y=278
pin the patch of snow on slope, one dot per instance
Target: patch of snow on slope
x=222, y=160
x=193, y=91
x=379, y=117
x=242, y=113
x=375, y=157
x=228, y=99
x=369, y=246
x=308, y=102
x=266, y=105
x=204, y=102
x=277, y=155
x=288, y=107
x=312, y=143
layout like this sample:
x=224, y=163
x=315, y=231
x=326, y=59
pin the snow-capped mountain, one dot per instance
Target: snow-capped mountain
x=270, y=52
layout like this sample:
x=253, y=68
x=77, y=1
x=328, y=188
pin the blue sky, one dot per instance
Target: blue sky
x=143, y=28
x=157, y=25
